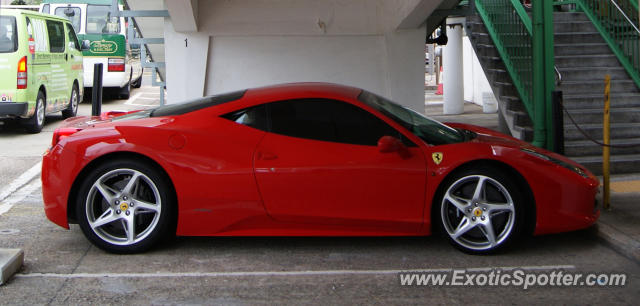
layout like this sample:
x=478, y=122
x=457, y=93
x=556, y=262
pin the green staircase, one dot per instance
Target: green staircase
x=516, y=48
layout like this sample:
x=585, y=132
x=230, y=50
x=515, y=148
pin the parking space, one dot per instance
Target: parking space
x=64, y=268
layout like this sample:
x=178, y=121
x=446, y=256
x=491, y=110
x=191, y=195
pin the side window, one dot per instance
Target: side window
x=37, y=28
x=45, y=9
x=329, y=120
x=56, y=36
x=310, y=118
x=357, y=126
x=255, y=117
x=72, y=37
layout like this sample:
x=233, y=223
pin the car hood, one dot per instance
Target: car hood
x=493, y=138
x=488, y=136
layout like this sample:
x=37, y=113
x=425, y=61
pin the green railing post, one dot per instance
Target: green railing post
x=543, y=74
x=549, y=73
x=539, y=92
x=526, y=49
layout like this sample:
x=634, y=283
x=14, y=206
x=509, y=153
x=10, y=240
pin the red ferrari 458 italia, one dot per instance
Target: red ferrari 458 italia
x=305, y=159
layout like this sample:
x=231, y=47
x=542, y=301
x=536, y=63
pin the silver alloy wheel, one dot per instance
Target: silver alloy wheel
x=40, y=112
x=74, y=101
x=478, y=212
x=123, y=206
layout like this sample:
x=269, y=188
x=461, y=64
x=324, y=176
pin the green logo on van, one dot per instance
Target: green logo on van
x=103, y=47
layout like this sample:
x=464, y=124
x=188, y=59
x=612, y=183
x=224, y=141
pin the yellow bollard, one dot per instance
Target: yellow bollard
x=606, y=127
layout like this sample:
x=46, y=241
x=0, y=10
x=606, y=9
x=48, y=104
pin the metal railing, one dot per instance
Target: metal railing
x=510, y=29
x=617, y=20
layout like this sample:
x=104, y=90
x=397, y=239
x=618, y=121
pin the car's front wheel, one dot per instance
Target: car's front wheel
x=481, y=210
x=125, y=206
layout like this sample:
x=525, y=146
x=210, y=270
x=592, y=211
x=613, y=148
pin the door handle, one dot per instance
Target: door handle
x=267, y=156
x=66, y=56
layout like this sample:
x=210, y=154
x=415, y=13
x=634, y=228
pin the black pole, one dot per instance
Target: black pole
x=96, y=93
x=558, y=122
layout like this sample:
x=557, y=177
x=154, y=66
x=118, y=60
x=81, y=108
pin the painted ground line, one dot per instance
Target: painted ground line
x=280, y=273
x=131, y=99
x=19, y=195
x=23, y=179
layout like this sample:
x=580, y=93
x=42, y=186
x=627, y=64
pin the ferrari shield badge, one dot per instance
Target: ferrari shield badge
x=437, y=157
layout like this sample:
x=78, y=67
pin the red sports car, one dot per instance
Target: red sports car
x=307, y=159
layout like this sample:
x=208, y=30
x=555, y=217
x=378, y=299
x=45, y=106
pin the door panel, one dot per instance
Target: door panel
x=57, y=91
x=322, y=182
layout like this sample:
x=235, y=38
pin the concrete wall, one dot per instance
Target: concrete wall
x=475, y=81
x=248, y=43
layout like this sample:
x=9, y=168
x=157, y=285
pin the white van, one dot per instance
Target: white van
x=108, y=42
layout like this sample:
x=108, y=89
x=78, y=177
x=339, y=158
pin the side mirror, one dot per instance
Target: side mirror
x=85, y=45
x=69, y=12
x=389, y=144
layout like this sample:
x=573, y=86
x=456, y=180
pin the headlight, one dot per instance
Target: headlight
x=556, y=161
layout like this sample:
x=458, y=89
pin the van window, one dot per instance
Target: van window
x=8, y=35
x=99, y=20
x=45, y=9
x=56, y=36
x=36, y=29
x=72, y=37
x=71, y=13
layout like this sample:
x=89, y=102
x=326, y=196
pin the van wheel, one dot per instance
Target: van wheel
x=126, y=90
x=72, y=109
x=36, y=122
x=138, y=82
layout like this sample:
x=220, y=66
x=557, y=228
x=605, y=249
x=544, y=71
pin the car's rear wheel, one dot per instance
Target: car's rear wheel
x=125, y=206
x=72, y=108
x=481, y=210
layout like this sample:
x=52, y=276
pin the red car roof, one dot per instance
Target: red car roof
x=292, y=90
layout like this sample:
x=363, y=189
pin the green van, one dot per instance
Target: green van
x=40, y=67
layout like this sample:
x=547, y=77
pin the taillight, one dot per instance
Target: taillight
x=116, y=64
x=61, y=133
x=22, y=73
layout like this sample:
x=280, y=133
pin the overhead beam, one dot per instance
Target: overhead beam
x=422, y=9
x=183, y=15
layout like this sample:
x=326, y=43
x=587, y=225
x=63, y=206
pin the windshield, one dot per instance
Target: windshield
x=71, y=13
x=8, y=35
x=99, y=20
x=431, y=131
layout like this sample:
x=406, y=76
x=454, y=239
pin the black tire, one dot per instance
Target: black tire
x=125, y=91
x=74, y=101
x=36, y=122
x=150, y=205
x=138, y=82
x=498, y=212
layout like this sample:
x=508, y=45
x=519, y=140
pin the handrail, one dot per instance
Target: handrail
x=607, y=16
x=625, y=15
x=522, y=13
x=512, y=36
x=558, y=75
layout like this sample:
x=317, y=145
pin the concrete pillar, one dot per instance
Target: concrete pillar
x=452, y=69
